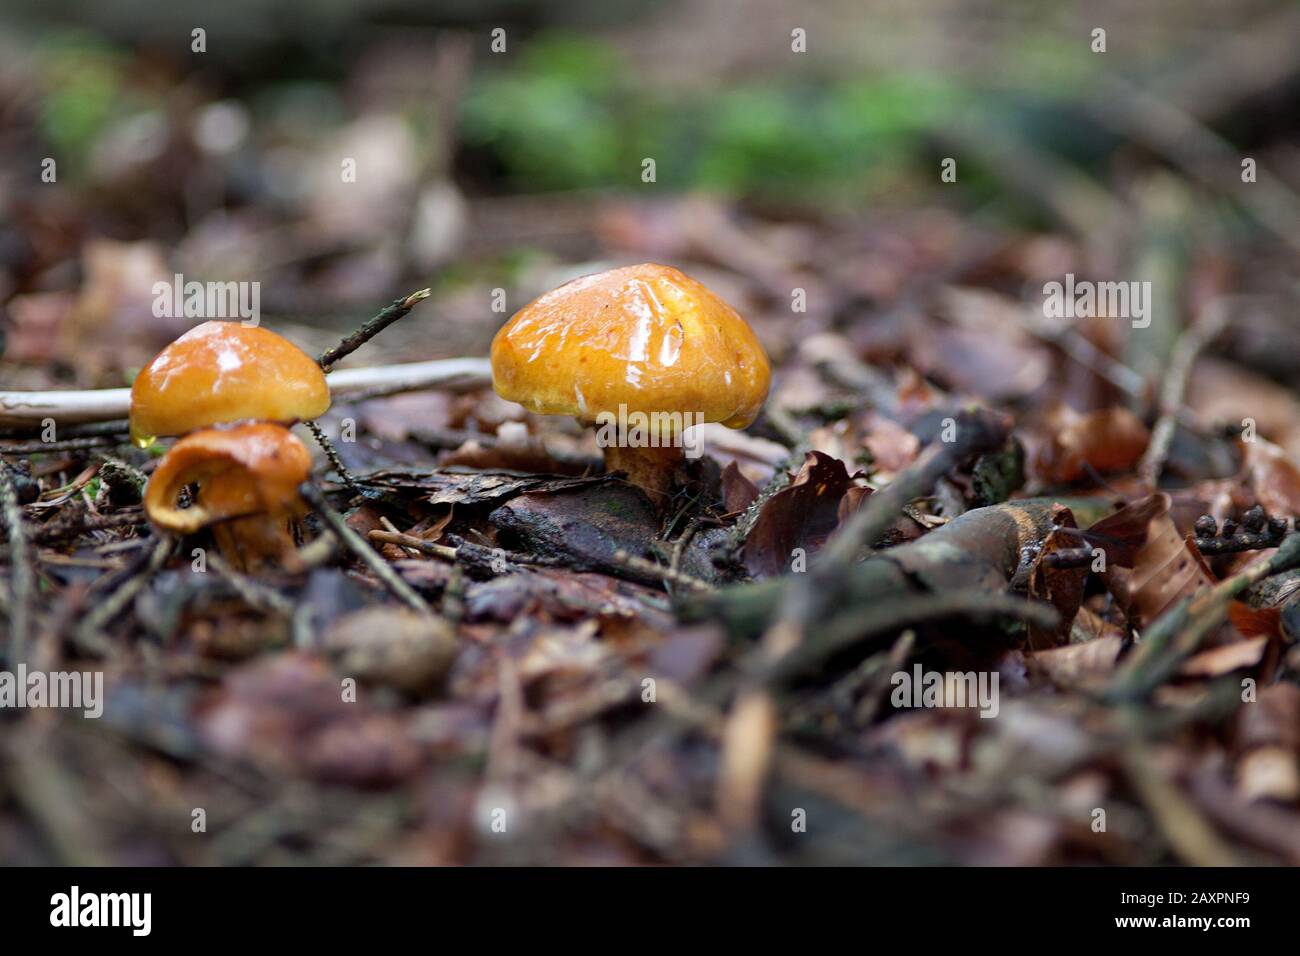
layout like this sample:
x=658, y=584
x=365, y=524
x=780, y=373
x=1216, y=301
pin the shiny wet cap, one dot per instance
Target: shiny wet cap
x=221, y=372
x=646, y=337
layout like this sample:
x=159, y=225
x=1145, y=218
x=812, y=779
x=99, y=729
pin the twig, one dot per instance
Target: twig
x=474, y=556
x=89, y=636
x=332, y=454
x=386, y=317
x=117, y=428
x=844, y=630
x=683, y=541
x=973, y=432
x=650, y=569
x=78, y=525
x=357, y=544
x=413, y=543
x=20, y=562
x=66, y=444
x=330, y=357
x=1190, y=344
x=1179, y=632
x=251, y=592
x=27, y=410
x=1081, y=350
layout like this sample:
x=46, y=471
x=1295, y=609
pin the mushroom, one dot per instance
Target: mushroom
x=644, y=346
x=247, y=478
x=221, y=372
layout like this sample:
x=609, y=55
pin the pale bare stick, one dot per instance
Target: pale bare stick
x=31, y=409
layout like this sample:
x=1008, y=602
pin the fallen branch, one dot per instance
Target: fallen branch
x=1203, y=330
x=980, y=550
x=1181, y=630
x=29, y=410
x=809, y=595
x=358, y=545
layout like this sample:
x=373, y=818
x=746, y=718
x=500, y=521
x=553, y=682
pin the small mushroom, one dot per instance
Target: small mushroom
x=222, y=372
x=247, y=479
x=644, y=346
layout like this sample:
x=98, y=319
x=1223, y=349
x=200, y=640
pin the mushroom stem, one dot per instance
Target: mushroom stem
x=249, y=543
x=29, y=409
x=651, y=469
x=245, y=540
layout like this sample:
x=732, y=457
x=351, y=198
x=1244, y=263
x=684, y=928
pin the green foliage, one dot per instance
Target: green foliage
x=554, y=119
x=568, y=116
x=83, y=81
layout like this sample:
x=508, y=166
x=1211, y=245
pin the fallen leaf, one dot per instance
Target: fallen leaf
x=1107, y=440
x=588, y=524
x=801, y=515
x=738, y=492
x=1272, y=476
x=1078, y=665
x=1060, y=587
x=1226, y=658
x=1166, y=568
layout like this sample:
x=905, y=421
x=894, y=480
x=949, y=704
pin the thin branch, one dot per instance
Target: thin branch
x=28, y=410
x=1204, y=330
x=386, y=317
x=1180, y=631
x=250, y=591
x=332, y=454
x=20, y=562
x=79, y=524
x=90, y=637
x=649, y=569
x=357, y=544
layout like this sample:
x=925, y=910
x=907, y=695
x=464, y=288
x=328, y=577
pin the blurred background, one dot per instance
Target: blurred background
x=480, y=169
x=501, y=147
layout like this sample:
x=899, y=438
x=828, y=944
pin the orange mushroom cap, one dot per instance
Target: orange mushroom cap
x=221, y=372
x=246, y=470
x=645, y=337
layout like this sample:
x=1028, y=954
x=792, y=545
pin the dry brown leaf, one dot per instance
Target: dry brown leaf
x=1273, y=477
x=738, y=492
x=1268, y=732
x=1226, y=658
x=1165, y=569
x=1107, y=440
x=1060, y=587
x=1227, y=393
x=892, y=446
x=1079, y=664
x=802, y=515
